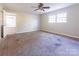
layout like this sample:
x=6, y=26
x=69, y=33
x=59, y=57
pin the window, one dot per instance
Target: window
x=52, y=19
x=10, y=20
x=58, y=18
x=61, y=17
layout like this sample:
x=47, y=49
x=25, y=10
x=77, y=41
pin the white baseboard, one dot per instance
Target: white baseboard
x=61, y=34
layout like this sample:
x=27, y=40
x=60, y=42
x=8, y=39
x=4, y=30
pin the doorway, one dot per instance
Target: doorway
x=7, y=23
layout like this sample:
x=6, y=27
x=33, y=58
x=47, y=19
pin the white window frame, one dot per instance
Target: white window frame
x=62, y=17
x=52, y=19
x=59, y=18
x=9, y=22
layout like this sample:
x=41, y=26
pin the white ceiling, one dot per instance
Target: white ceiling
x=28, y=7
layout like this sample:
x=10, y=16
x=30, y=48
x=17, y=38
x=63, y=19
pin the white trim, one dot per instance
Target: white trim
x=61, y=34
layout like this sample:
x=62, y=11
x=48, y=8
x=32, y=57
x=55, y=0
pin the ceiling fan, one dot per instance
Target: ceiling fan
x=41, y=7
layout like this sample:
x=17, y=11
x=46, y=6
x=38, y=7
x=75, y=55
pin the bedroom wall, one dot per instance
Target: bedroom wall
x=71, y=28
x=27, y=22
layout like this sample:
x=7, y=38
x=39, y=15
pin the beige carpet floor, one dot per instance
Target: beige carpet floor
x=38, y=44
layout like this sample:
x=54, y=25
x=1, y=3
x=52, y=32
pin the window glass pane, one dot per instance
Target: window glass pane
x=52, y=19
x=10, y=21
x=61, y=17
x=58, y=18
x=64, y=19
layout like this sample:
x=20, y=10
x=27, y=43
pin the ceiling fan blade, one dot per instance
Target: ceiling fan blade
x=36, y=9
x=40, y=7
x=46, y=7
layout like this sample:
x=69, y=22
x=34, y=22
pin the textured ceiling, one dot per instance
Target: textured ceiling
x=30, y=7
